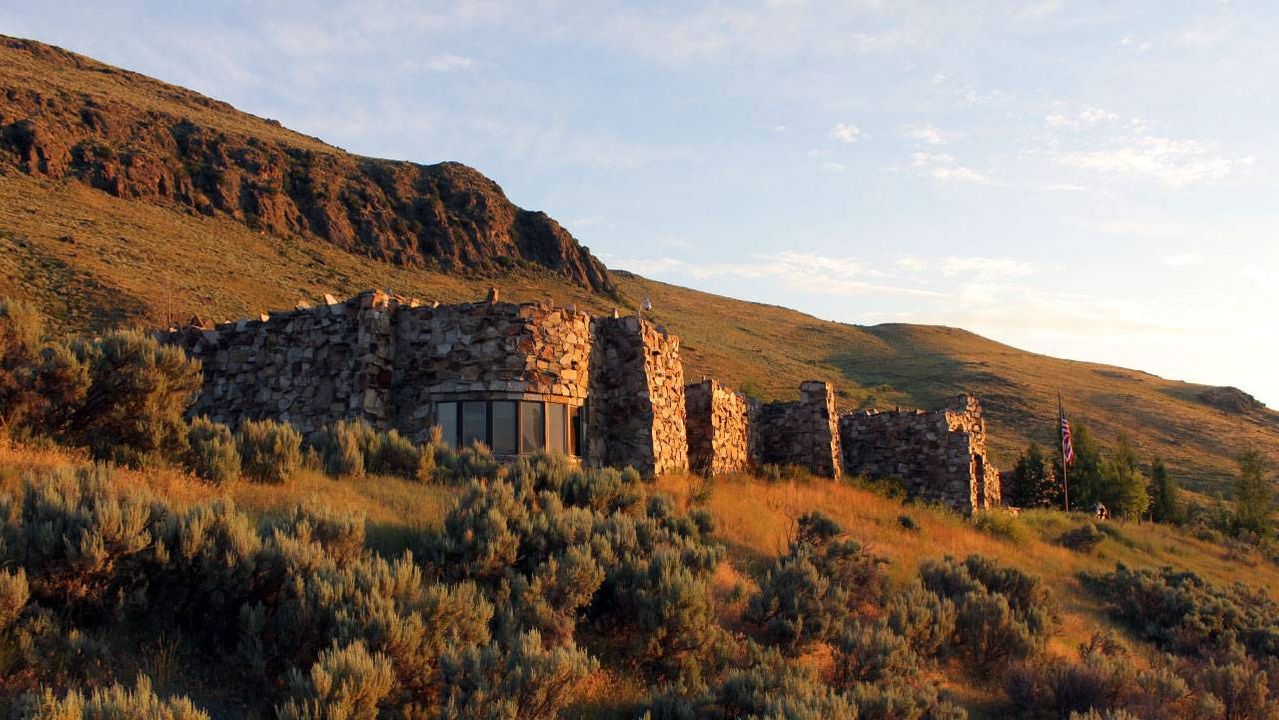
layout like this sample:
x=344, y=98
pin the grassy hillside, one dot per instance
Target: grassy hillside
x=91, y=260
x=753, y=518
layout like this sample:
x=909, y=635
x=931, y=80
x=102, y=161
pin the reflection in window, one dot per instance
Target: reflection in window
x=557, y=428
x=474, y=422
x=505, y=432
x=532, y=427
x=575, y=430
x=446, y=418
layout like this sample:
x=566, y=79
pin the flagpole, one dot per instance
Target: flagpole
x=1061, y=447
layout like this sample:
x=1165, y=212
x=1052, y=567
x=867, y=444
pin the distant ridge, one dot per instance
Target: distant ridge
x=63, y=115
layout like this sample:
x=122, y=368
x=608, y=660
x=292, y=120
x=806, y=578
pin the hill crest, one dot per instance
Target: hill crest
x=65, y=116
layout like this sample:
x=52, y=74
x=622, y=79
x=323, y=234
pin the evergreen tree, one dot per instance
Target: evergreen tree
x=1033, y=482
x=1165, y=500
x=1124, y=492
x=1254, y=493
x=1087, y=484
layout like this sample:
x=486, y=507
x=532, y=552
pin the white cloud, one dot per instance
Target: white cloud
x=449, y=63
x=846, y=133
x=1063, y=187
x=1175, y=163
x=1134, y=43
x=984, y=269
x=831, y=166
x=1043, y=8
x=1088, y=117
x=945, y=168
x=926, y=133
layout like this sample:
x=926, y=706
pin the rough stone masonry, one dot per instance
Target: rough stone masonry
x=524, y=377
x=940, y=456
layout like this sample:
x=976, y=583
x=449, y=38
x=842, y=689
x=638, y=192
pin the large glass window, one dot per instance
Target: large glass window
x=532, y=427
x=557, y=428
x=446, y=418
x=505, y=432
x=474, y=422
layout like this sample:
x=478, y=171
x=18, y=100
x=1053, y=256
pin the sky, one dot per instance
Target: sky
x=1091, y=180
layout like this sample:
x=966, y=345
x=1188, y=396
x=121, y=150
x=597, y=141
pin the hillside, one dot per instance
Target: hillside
x=95, y=246
x=754, y=519
x=66, y=116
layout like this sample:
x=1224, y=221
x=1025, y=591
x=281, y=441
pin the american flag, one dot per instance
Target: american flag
x=1067, y=446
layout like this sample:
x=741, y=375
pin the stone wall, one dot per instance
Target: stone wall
x=305, y=366
x=940, y=456
x=636, y=412
x=718, y=428
x=804, y=432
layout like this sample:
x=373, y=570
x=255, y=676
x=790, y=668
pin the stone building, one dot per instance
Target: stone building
x=517, y=377
x=940, y=456
x=527, y=377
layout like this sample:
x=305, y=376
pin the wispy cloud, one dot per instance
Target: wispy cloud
x=945, y=168
x=1174, y=163
x=846, y=133
x=984, y=269
x=926, y=133
x=446, y=63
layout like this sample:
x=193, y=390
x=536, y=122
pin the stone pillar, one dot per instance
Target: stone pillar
x=718, y=428
x=804, y=432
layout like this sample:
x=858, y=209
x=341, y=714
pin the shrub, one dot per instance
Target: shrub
x=990, y=634
x=924, y=619
x=393, y=454
x=341, y=446
x=1182, y=612
x=1084, y=538
x=114, y=702
x=908, y=523
x=137, y=394
x=810, y=592
x=80, y=541
x=271, y=451
x=21, y=337
x=212, y=454
x=344, y=682
x=872, y=653
x=475, y=462
x=1001, y=614
x=524, y=682
x=14, y=594
x=1002, y=524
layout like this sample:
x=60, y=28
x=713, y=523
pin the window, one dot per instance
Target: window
x=532, y=426
x=446, y=418
x=474, y=422
x=557, y=428
x=505, y=431
x=575, y=431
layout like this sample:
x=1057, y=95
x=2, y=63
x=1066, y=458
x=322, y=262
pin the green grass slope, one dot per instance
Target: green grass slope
x=92, y=260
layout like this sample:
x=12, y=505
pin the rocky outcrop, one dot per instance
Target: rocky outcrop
x=66, y=116
x=1231, y=400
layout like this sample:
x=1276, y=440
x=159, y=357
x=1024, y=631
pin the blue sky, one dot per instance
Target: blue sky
x=1092, y=180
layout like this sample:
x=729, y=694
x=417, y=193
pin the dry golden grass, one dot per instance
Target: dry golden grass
x=756, y=519
x=396, y=510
